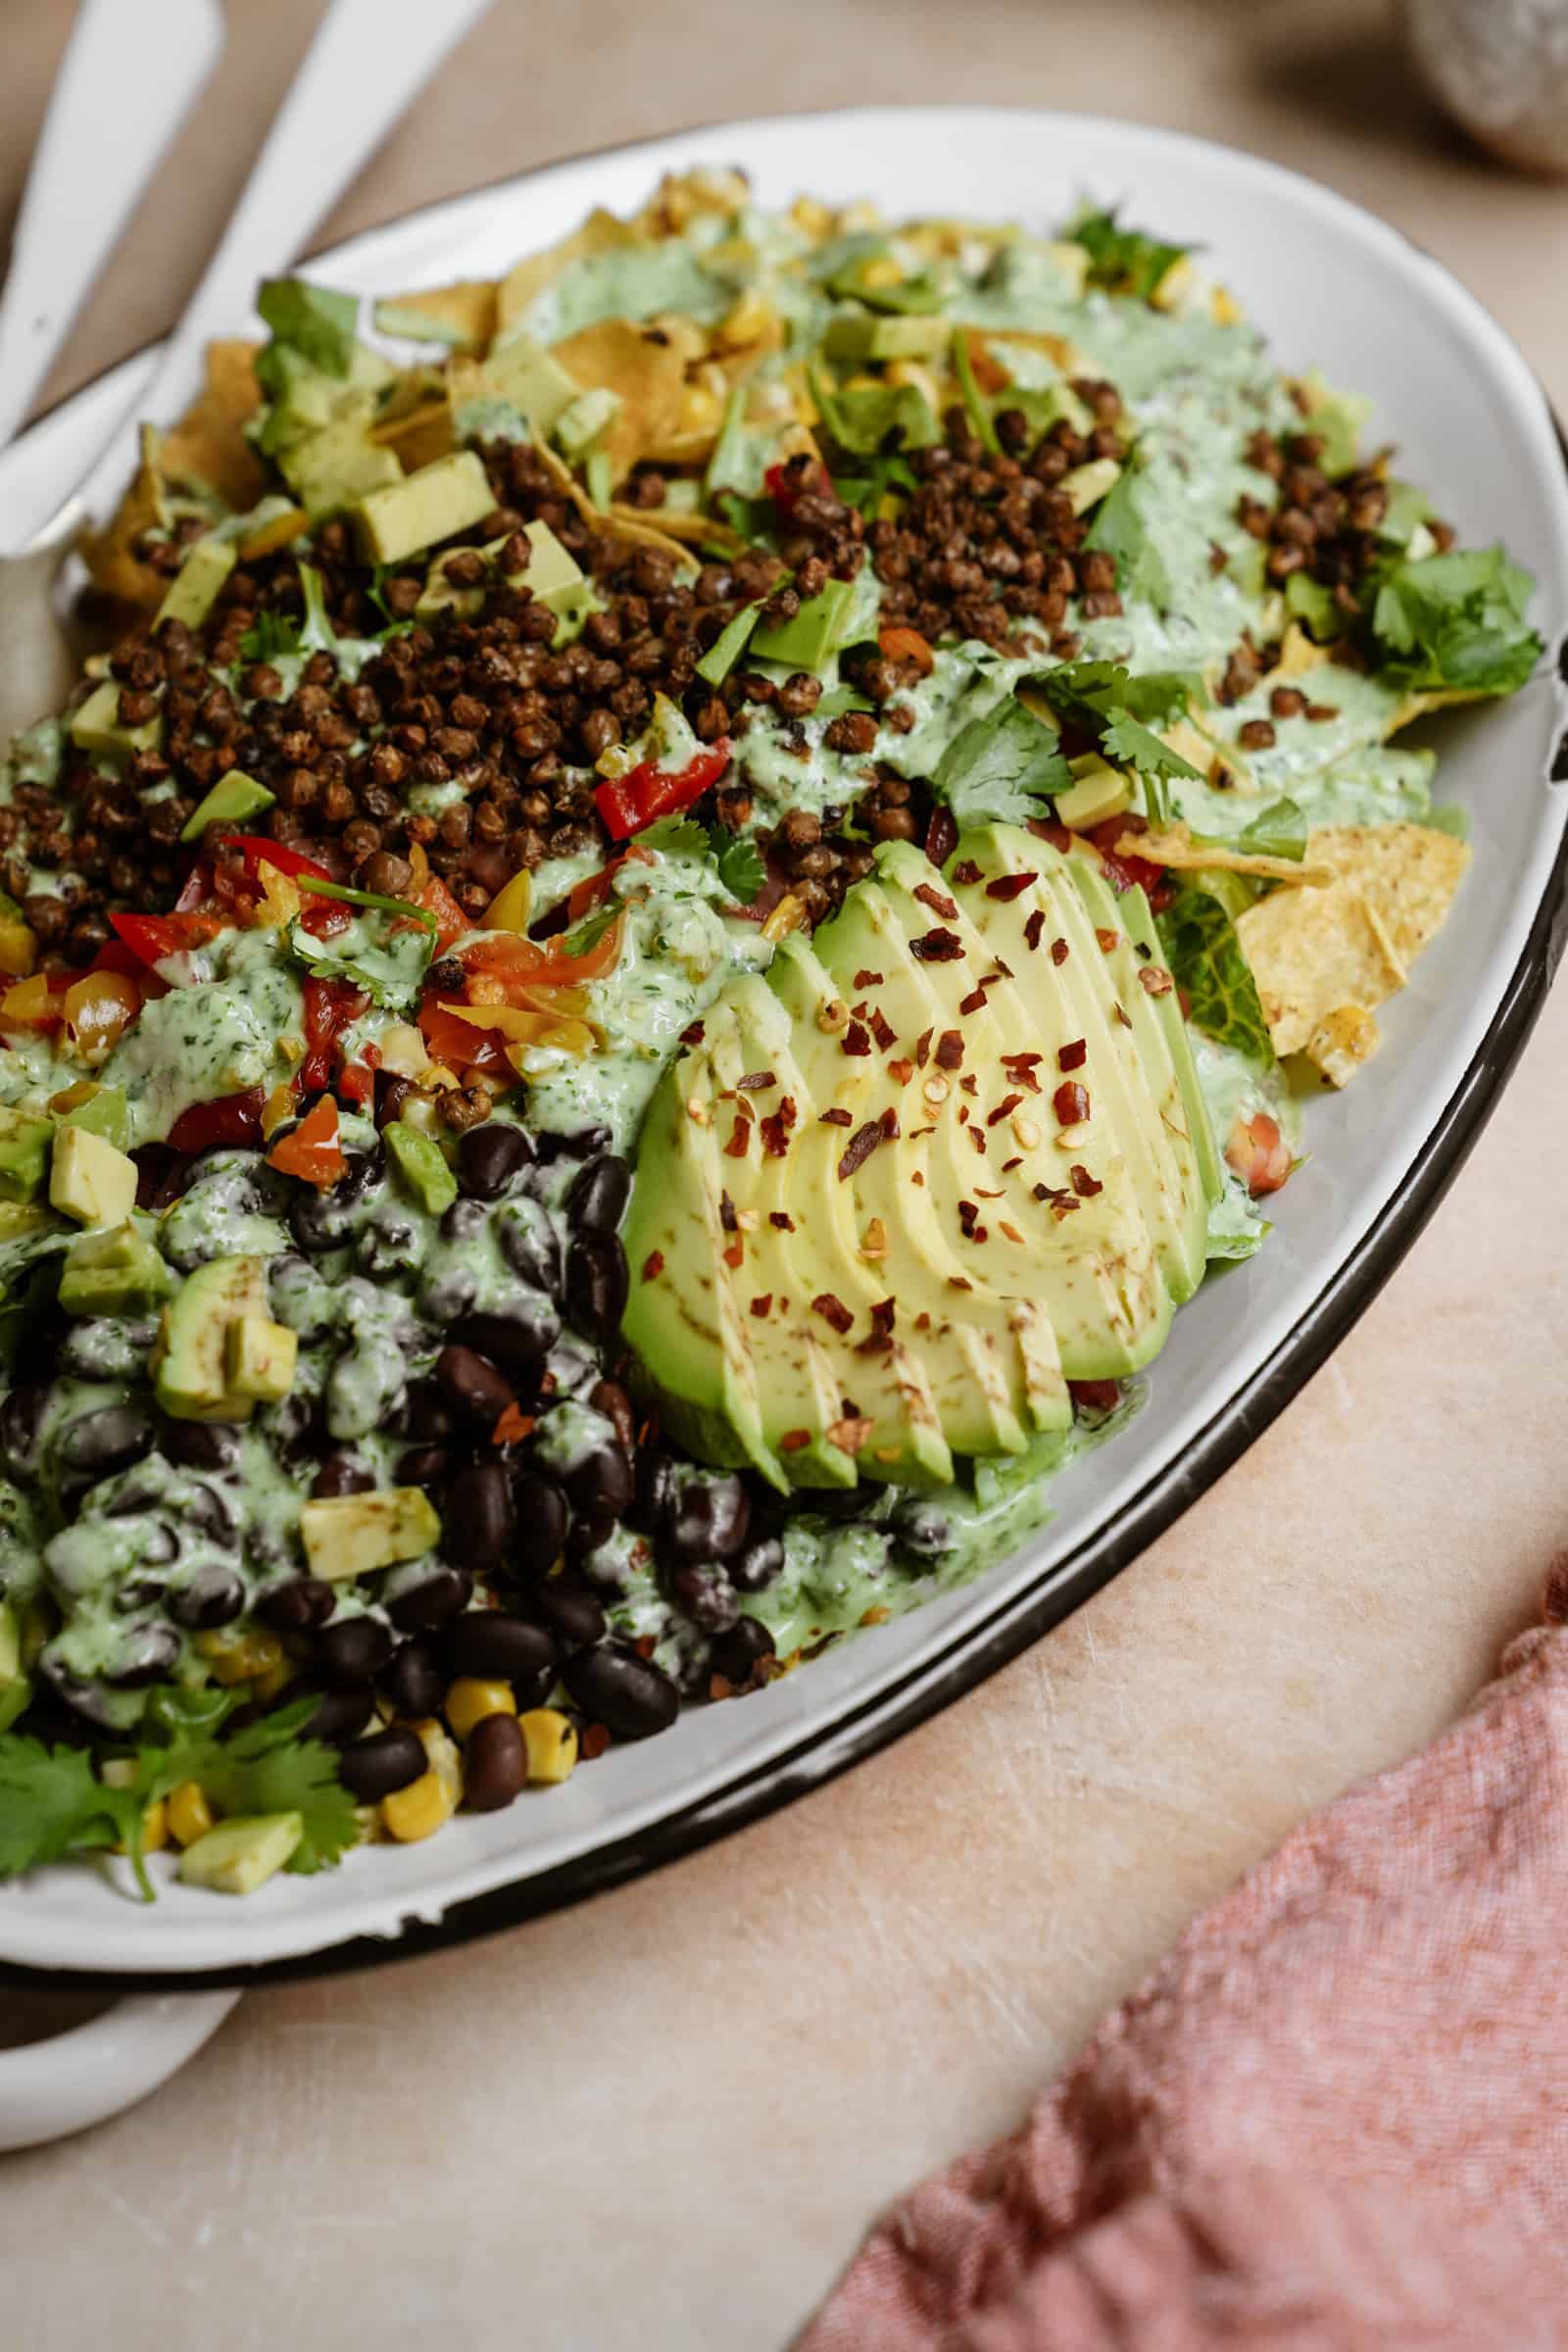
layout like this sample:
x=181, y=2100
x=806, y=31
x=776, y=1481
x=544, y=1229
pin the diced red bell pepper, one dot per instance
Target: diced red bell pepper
x=357, y=1084
x=530, y=963
x=151, y=937
x=434, y=898
x=791, y=479
x=258, y=850
x=325, y=918
x=312, y=1150
x=646, y=792
x=230, y=1119
x=329, y=1007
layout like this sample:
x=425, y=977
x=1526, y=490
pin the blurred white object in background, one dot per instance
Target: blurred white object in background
x=1501, y=68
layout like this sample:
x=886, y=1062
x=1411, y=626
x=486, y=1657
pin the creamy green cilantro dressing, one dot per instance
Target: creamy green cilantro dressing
x=219, y=1030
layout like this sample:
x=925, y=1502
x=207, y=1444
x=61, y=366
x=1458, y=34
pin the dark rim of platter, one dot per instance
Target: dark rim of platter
x=969, y=1659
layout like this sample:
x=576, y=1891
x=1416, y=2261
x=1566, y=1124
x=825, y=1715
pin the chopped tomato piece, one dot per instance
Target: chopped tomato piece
x=312, y=1150
x=646, y=792
x=152, y=937
x=329, y=1007
x=1125, y=874
x=526, y=961
x=230, y=1119
x=434, y=898
x=357, y=1084
x=32, y=1005
x=1258, y=1153
x=325, y=918
x=1094, y=1395
x=99, y=1009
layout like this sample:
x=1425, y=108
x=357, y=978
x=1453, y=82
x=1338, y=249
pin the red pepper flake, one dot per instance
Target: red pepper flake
x=1109, y=940
x=856, y=1039
x=902, y=1071
x=1073, y=1056
x=1008, y=887
x=1071, y=1104
x=512, y=1426
x=1062, y=1204
x=859, y=1148
x=922, y=1046
x=832, y=1311
x=693, y=1034
x=960, y=1282
x=763, y=1303
x=735, y=1255
x=740, y=1140
x=1008, y=1165
x=646, y=1645
x=652, y=1265
x=726, y=1214
x=595, y=1740
x=1033, y=928
x=937, y=947
x=1003, y=972
x=968, y=1213
x=794, y=1441
x=835, y=1118
x=963, y=1114
x=950, y=1050
x=1123, y=1015
x=974, y=1001
x=719, y=1685
x=883, y=1312
x=1021, y=1067
x=1083, y=1184
x=891, y=1130
x=868, y=979
x=977, y=1136
x=938, y=901
x=1155, y=980
x=969, y=1083
x=1011, y=1232
x=981, y=1193
x=782, y=1219
x=1058, y=950
x=966, y=871
x=1007, y=1103
x=882, y=1030
x=757, y=1082
x=775, y=1128
x=1094, y=1395
x=860, y=1010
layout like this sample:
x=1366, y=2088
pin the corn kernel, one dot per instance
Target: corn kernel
x=191, y=1816
x=551, y=1739
x=236, y=1654
x=276, y=1679
x=441, y=1754
x=470, y=1700
x=154, y=1829
x=419, y=1810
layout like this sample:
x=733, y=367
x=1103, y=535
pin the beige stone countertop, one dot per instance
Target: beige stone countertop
x=665, y=2120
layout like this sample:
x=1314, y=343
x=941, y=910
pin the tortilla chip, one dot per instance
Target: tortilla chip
x=1175, y=846
x=681, y=195
x=601, y=232
x=1299, y=654
x=646, y=369
x=566, y=481
x=1408, y=874
x=208, y=444
x=1312, y=953
x=1340, y=1044
x=107, y=554
x=419, y=438
x=463, y=315
x=678, y=534
x=1444, y=698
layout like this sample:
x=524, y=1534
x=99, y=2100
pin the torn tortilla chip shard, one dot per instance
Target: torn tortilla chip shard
x=1173, y=847
x=1343, y=1042
x=1312, y=952
x=1410, y=874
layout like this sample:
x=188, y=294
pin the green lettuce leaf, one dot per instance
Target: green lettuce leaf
x=1001, y=766
x=311, y=320
x=1456, y=622
x=1125, y=261
x=1120, y=528
x=1207, y=965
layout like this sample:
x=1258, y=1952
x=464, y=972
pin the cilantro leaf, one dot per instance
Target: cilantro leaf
x=1456, y=622
x=271, y=637
x=740, y=863
x=1311, y=604
x=1209, y=966
x=311, y=320
x=1120, y=528
x=1121, y=712
x=53, y=1804
x=591, y=930
x=266, y=1768
x=1001, y=766
x=390, y=968
x=1277, y=831
x=1124, y=261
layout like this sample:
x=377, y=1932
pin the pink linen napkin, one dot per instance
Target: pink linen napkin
x=1334, y=2119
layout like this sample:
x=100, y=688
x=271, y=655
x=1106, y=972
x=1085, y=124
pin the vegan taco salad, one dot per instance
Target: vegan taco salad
x=702, y=886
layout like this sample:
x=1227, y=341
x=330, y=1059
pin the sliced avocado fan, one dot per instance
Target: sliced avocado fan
x=944, y=1159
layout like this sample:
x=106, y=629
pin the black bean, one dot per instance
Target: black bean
x=588, y=1533
x=737, y=1649
x=652, y=1483
x=756, y=1568
x=499, y=1647
x=210, y=1514
x=214, y=1596
x=432, y=1600
x=571, y=1611
x=414, y=1684
x=703, y=1593
x=920, y=1526
x=424, y=1466
x=341, y=1474
x=479, y=1515
x=609, y=1397
x=341, y=1715
x=90, y=1701
x=530, y=1245
x=20, y=1417
x=424, y=1416
x=707, y=1518
x=149, y=1653
x=613, y=1686
x=518, y=1344
x=108, y=1440
x=474, y=1390
x=465, y=1220
x=599, y=1487
x=138, y=1591
x=298, y=1606
x=597, y=1284
x=542, y=1519
x=320, y=1221
x=381, y=1764
x=490, y=1159
x=582, y=1146
x=198, y=1445
x=494, y=1764
x=353, y=1653
x=598, y=1193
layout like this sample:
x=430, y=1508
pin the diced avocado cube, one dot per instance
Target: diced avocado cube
x=89, y=1179
x=590, y=414
x=421, y=1167
x=259, y=1358
x=1098, y=790
x=25, y=1145
x=330, y=469
x=193, y=591
x=115, y=1273
x=437, y=501
x=96, y=729
x=99, y=1108
x=232, y=799
x=553, y=573
x=352, y=1534
x=14, y=1688
x=314, y=320
x=243, y=1853
x=806, y=641
x=853, y=338
x=1087, y=485
x=532, y=379
x=192, y=1367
